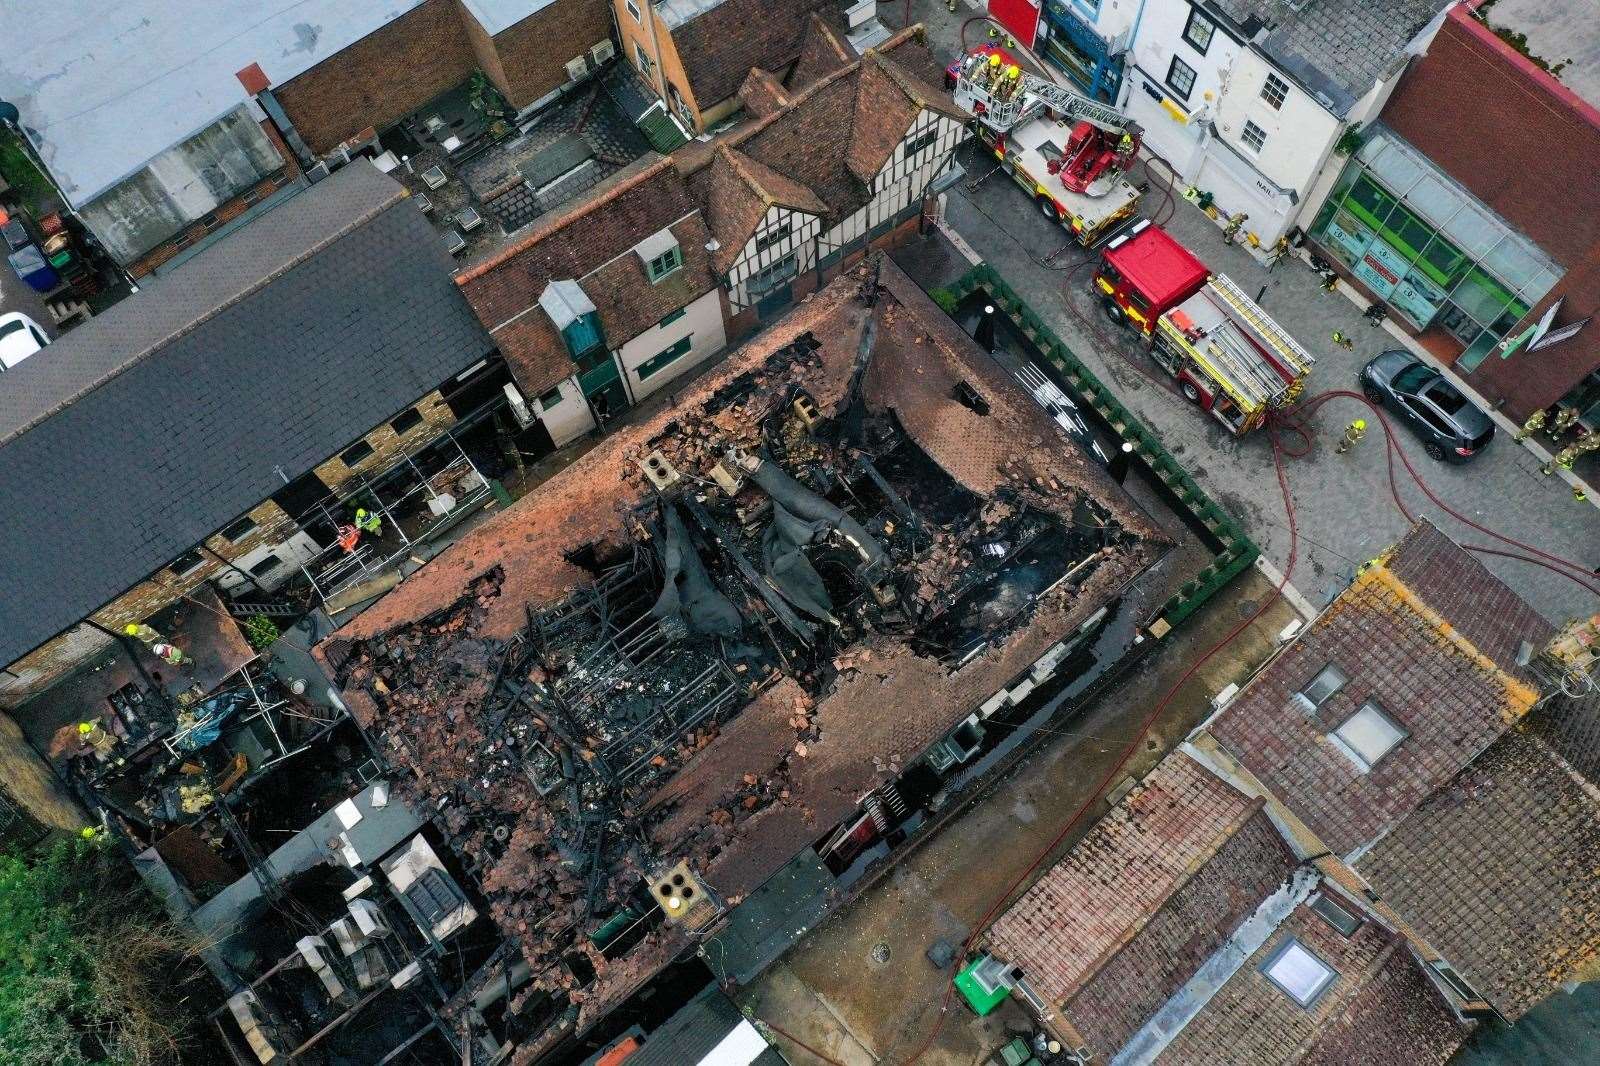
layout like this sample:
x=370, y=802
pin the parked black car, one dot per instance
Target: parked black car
x=1451, y=428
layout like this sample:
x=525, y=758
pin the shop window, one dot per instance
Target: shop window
x=1442, y=261
x=1199, y=30
x=1180, y=78
x=1369, y=202
x=1253, y=136
x=1407, y=233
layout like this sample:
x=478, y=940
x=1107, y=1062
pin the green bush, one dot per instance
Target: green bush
x=260, y=631
x=91, y=971
x=947, y=300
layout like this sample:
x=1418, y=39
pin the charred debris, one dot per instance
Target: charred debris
x=765, y=541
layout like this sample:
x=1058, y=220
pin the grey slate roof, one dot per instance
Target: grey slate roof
x=141, y=432
x=1335, y=48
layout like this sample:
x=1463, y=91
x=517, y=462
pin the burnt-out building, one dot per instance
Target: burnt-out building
x=763, y=626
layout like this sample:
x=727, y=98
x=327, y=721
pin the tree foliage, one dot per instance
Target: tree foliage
x=90, y=969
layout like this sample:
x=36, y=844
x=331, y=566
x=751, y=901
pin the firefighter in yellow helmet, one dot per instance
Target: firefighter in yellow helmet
x=142, y=633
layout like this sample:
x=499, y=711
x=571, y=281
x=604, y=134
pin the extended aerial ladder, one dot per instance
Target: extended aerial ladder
x=1067, y=149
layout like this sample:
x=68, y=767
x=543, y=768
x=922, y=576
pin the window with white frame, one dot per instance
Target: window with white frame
x=633, y=9
x=1274, y=92
x=1199, y=30
x=1302, y=976
x=1180, y=78
x=1253, y=136
x=642, y=58
x=1329, y=679
x=1367, y=736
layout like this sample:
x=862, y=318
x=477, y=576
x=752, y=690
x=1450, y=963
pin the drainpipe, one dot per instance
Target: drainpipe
x=291, y=136
x=1133, y=35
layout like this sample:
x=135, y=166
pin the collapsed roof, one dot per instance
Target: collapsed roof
x=709, y=640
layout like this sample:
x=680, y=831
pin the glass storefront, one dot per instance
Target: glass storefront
x=1428, y=248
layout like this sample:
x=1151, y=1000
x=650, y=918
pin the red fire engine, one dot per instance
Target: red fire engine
x=1067, y=150
x=1228, y=355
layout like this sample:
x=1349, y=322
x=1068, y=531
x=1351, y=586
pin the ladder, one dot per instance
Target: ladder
x=1244, y=367
x=1300, y=361
x=1033, y=93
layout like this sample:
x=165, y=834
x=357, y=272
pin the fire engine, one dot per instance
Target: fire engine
x=1228, y=355
x=1066, y=150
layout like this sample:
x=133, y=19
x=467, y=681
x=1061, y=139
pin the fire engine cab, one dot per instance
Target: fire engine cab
x=1228, y=355
x=1066, y=150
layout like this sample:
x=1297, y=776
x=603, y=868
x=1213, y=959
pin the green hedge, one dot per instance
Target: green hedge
x=1238, y=550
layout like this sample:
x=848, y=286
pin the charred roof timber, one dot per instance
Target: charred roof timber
x=679, y=664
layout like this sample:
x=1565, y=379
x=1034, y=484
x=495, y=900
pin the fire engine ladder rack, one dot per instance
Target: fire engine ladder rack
x=1247, y=309
x=1245, y=369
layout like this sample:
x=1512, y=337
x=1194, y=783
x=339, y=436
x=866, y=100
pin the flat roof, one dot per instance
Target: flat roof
x=1564, y=34
x=104, y=88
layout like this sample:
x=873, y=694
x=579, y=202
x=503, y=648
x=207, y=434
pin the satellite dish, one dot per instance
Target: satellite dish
x=9, y=112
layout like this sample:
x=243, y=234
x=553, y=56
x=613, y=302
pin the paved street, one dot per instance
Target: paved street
x=1345, y=510
x=1343, y=503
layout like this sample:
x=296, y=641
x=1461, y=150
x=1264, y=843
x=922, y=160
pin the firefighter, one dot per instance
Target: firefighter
x=1342, y=339
x=368, y=522
x=1013, y=81
x=1579, y=493
x=1562, y=459
x=170, y=654
x=1533, y=425
x=1565, y=416
x=349, y=537
x=1235, y=224
x=97, y=738
x=990, y=73
x=1352, y=436
x=143, y=633
x=1125, y=144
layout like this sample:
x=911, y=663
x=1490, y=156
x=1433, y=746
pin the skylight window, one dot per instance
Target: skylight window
x=1367, y=736
x=1329, y=679
x=1302, y=976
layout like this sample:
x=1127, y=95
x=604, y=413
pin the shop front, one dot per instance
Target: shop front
x=1446, y=265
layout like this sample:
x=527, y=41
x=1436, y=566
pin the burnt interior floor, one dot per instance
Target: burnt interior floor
x=814, y=524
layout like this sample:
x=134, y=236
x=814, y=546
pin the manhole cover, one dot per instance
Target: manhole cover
x=880, y=954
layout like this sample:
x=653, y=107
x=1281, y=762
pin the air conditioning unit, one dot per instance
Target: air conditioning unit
x=602, y=52
x=577, y=68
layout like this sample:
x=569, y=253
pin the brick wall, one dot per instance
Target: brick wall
x=387, y=445
x=382, y=77
x=482, y=46
x=533, y=54
x=669, y=68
